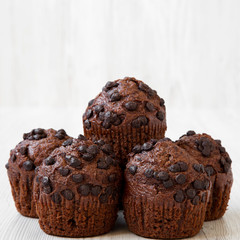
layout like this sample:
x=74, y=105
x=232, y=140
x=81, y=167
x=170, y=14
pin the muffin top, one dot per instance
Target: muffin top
x=80, y=169
x=162, y=169
x=36, y=146
x=207, y=151
x=125, y=101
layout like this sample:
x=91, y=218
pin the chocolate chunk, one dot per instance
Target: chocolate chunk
x=162, y=102
x=87, y=124
x=89, y=113
x=61, y=134
x=23, y=150
x=198, y=167
x=160, y=115
x=84, y=190
x=63, y=171
x=47, y=189
x=98, y=108
x=68, y=142
x=56, y=198
x=198, y=184
x=183, y=166
x=45, y=181
x=147, y=146
x=74, y=162
x=162, y=176
x=150, y=107
x=81, y=137
x=88, y=157
x=13, y=158
x=28, y=165
x=137, y=149
x=190, y=133
x=148, y=173
x=96, y=190
x=49, y=160
x=191, y=193
x=77, y=178
x=90, y=103
x=115, y=97
x=196, y=200
x=107, y=148
x=222, y=149
x=112, y=178
x=205, y=146
x=209, y=170
x=7, y=165
x=82, y=148
x=103, y=198
x=110, y=85
x=93, y=149
x=168, y=183
x=204, y=197
x=179, y=196
x=174, y=168
x=140, y=121
x=180, y=179
x=131, y=106
x=68, y=194
x=132, y=169
x=226, y=167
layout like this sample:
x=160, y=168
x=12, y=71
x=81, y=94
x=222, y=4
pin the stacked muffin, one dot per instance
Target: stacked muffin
x=74, y=186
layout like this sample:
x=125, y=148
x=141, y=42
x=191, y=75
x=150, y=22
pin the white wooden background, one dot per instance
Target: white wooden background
x=55, y=55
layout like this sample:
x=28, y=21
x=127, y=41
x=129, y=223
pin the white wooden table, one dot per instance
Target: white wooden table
x=13, y=122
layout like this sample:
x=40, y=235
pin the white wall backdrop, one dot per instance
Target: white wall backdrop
x=61, y=52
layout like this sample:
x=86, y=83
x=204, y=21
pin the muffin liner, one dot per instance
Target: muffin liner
x=219, y=196
x=22, y=191
x=159, y=218
x=124, y=138
x=80, y=217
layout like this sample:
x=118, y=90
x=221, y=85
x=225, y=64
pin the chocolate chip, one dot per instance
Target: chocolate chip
x=7, y=165
x=45, y=181
x=228, y=160
x=47, y=189
x=63, y=171
x=198, y=167
x=160, y=115
x=162, y=176
x=137, y=149
x=183, y=166
x=179, y=196
x=56, y=198
x=147, y=146
x=131, y=106
x=49, y=160
x=28, y=165
x=68, y=142
x=108, y=160
x=103, y=163
x=209, y=170
x=87, y=157
x=23, y=150
x=96, y=190
x=93, y=149
x=190, y=133
x=61, y=134
x=87, y=124
x=107, y=148
x=81, y=137
x=196, y=200
x=198, y=184
x=103, y=198
x=101, y=116
x=110, y=85
x=143, y=87
x=206, y=184
x=132, y=169
x=107, y=123
x=115, y=97
x=84, y=190
x=180, y=179
x=174, y=168
x=222, y=149
x=13, y=158
x=90, y=103
x=112, y=177
x=89, y=113
x=98, y=108
x=191, y=193
x=68, y=194
x=82, y=148
x=204, y=197
x=99, y=142
x=77, y=178
x=150, y=107
x=74, y=162
x=226, y=167
x=162, y=102
x=148, y=173
x=140, y=121
x=38, y=131
x=205, y=146
x=154, y=141
x=168, y=183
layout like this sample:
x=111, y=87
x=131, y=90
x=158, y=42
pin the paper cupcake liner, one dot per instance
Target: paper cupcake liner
x=163, y=219
x=22, y=191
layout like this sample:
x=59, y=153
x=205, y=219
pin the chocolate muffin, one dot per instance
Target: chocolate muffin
x=77, y=190
x=127, y=112
x=164, y=196
x=217, y=163
x=24, y=158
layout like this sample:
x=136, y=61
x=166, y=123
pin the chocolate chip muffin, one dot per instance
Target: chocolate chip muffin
x=24, y=158
x=217, y=163
x=77, y=190
x=127, y=112
x=164, y=196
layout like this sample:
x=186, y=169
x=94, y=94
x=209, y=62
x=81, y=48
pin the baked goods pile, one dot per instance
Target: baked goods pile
x=76, y=185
